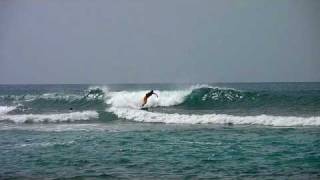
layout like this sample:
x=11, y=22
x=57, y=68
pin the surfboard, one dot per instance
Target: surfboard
x=144, y=108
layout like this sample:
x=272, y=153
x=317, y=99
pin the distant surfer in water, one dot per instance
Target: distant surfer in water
x=145, y=99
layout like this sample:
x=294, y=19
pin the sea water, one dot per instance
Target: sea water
x=191, y=131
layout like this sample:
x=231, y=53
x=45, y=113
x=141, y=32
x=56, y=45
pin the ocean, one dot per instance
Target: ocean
x=191, y=131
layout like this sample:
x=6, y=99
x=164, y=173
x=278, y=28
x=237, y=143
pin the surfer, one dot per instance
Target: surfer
x=145, y=99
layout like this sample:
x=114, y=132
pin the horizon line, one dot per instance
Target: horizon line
x=146, y=83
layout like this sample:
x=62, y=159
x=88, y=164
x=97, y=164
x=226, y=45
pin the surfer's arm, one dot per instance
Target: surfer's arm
x=155, y=94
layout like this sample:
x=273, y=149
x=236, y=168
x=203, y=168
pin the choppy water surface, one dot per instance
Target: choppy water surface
x=191, y=131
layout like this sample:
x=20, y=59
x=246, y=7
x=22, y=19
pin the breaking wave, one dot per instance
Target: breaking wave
x=127, y=105
x=207, y=97
x=62, y=117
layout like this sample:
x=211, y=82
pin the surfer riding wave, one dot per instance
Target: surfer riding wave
x=145, y=98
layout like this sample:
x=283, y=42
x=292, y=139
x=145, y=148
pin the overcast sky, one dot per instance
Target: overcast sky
x=152, y=41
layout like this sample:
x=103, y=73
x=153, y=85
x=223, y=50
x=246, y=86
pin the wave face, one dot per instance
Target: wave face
x=217, y=98
x=192, y=105
x=207, y=97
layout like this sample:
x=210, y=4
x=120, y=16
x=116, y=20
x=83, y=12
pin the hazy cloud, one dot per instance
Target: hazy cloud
x=141, y=41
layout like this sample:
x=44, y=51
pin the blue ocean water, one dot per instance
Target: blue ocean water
x=240, y=130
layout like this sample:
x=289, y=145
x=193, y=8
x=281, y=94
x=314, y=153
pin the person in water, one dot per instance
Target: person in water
x=145, y=99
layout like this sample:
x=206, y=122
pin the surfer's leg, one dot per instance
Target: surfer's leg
x=144, y=101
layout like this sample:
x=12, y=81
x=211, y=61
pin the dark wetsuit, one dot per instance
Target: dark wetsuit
x=149, y=94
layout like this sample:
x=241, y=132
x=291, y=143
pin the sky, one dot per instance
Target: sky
x=159, y=41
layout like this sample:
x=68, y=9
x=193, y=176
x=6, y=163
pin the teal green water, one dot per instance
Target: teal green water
x=163, y=151
x=228, y=131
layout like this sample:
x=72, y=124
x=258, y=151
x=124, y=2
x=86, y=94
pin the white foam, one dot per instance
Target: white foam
x=73, y=116
x=57, y=96
x=45, y=144
x=145, y=116
x=134, y=99
x=84, y=126
x=6, y=109
x=199, y=86
x=53, y=96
